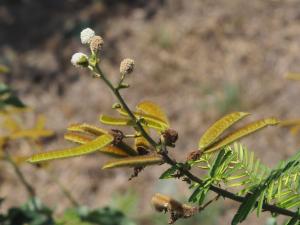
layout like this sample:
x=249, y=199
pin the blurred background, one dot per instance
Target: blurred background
x=198, y=59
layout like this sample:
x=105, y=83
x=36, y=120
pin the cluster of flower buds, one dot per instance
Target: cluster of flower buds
x=95, y=42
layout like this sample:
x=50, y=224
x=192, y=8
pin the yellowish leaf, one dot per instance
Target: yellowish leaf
x=19, y=159
x=295, y=129
x=293, y=76
x=134, y=161
x=40, y=122
x=11, y=124
x=153, y=110
x=14, y=110
x=115, y=121
x=242, y=132
x=31, y=133
x=154, y=125
x=150, y=120
x=87, y=128
x=287, y=123
x=83, y=139
x=87, y=148
x=114, y=151
x=213, y=132
x=140, y=141
x=77, y=137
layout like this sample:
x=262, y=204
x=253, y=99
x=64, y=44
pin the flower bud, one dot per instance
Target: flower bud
x=126, y=66
x=86, y=35
x=96, y=44
x=80, y=60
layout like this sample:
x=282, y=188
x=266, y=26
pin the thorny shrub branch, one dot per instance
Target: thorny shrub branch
x=229, y=164
x=162, y=149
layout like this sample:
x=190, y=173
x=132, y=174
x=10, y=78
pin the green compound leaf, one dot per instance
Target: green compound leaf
x=219, y=127
x=134, y=161
x=168, y=173
x=108, y=120
x=242, y=132
x=245, y=208
x=194, y=195
x=217, y=166
x=87, y=148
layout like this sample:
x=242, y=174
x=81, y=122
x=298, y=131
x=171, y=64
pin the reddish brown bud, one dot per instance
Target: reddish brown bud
x=194, y=155
x=170, y=136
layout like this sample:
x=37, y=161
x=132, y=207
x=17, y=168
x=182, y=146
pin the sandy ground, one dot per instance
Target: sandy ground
x=197, y=59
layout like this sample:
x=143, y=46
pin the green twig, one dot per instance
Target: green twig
x=116, y=92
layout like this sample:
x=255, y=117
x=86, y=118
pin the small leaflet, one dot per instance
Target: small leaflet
x=87, y=148
x=213, y=132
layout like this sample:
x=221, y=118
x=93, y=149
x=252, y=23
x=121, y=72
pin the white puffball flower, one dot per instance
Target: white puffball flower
x=86, y=35
x=80, y=60
x=126, y=66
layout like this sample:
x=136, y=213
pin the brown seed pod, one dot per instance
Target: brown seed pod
x=163, y=203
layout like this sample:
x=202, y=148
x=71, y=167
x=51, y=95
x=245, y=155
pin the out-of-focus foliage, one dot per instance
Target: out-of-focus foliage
x=8, y=98
x=34, y=212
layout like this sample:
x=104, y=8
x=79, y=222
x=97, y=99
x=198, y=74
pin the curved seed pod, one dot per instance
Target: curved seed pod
x=242, y=132
x=163, y=203
x=114, y=121
x=213, y=132
x=77, y=138
x=153, y=110
x=87, y=148
x=134, y=161
x=87, y=128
